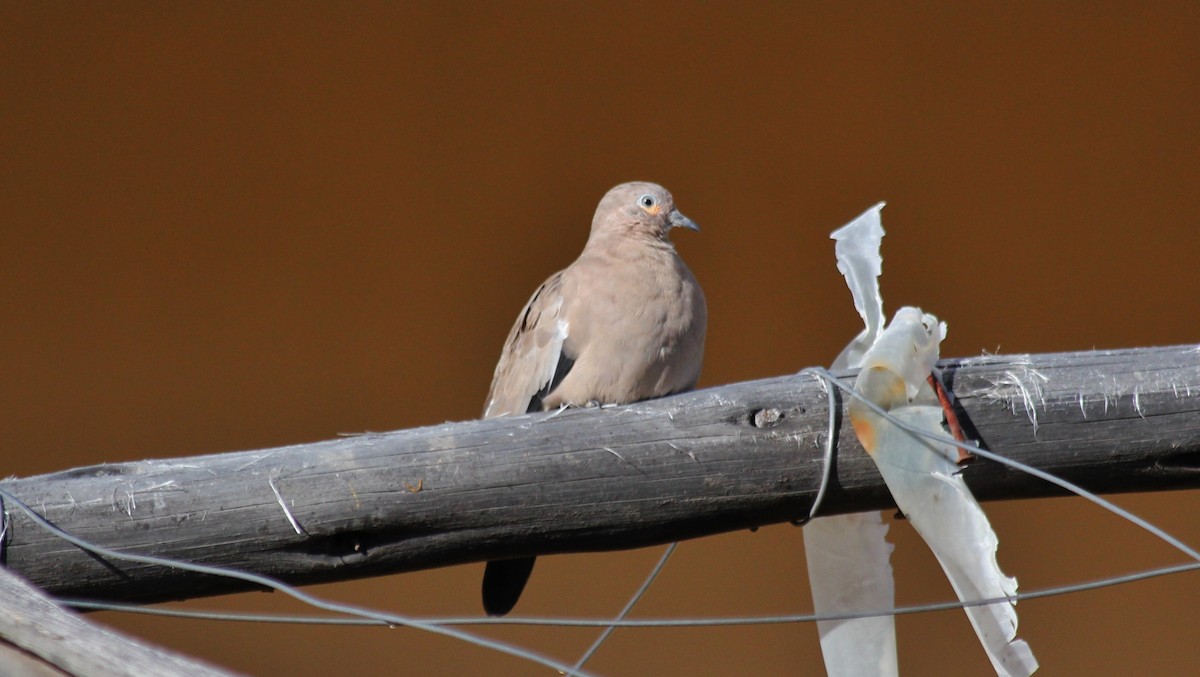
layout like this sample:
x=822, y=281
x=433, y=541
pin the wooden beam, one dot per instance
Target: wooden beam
x=39, y=638
x=714, y=460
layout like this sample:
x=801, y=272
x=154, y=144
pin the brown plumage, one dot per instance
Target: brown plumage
x=625, y=322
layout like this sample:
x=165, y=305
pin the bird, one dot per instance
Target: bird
x=624, y=322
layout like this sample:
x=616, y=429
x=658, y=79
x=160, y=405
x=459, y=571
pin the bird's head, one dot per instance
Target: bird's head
x=641, y=209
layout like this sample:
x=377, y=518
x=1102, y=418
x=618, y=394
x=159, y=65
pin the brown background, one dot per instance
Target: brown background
x=229, y=227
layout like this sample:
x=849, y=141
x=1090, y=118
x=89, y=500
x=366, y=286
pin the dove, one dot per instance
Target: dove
x=624, y=322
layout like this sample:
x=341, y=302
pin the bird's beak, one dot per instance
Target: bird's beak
x=678, y=220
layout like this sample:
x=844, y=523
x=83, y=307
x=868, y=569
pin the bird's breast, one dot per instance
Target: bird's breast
x=641, y=334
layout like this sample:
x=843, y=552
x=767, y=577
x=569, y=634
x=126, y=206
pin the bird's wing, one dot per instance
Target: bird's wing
x=533, y=361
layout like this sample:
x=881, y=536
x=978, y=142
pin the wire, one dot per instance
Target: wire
x=831, y=437
x=311, y=600
x=1015, y=465
x=637, y=596
x=640, y=622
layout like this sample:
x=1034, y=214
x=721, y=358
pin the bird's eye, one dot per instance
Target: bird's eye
x=647, y=201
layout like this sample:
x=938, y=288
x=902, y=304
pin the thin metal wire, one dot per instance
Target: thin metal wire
x=639, y=622
x=831, y=436
x=637, y=596
x=4, y=518
x=336, y=607
x=1015, y=465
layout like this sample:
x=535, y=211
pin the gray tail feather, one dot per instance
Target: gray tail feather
x=503, y=581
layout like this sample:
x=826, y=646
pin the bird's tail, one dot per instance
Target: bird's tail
x=503, y=581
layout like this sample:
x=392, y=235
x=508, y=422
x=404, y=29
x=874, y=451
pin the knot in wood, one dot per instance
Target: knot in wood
x=765, y=418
